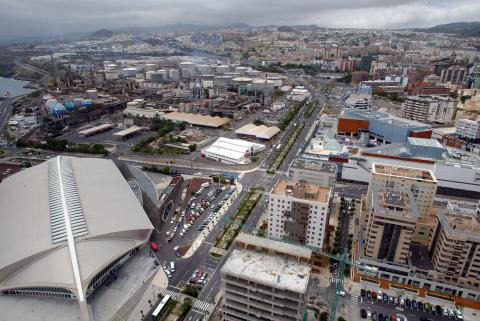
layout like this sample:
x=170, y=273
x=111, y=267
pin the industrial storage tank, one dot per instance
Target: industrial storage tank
x=129, y=72
x=276, y=80
x=70, y=105
x=87, y=103
x=150, y=67
x=57, y=110
x=140, y=75
x=263, y=85
x=157, y=77
x=112, y=74
x=92, y=93
x=242, y=70
x=106, y=63
x=222, y=69
x=148, y=74
x=223, y=81
x=254, y=73
x=110, y=67
x=242, y=84
x=174, y=74
x=77, y=102
x=50, y=102
x=204, y=69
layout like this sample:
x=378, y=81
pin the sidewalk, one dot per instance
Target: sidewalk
x=201, y=237
x=156, y=286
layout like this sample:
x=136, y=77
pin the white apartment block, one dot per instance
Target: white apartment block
x=421, y=182
x=467, y=128
x=299, y=212
x=430, y=108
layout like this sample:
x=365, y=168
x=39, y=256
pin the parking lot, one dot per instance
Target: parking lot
x=202, y=209
x=381, y=306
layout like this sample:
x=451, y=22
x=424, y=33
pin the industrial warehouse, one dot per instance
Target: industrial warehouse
x=79, y=221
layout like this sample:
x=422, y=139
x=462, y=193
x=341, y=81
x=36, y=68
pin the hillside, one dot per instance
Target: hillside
x=462, y=29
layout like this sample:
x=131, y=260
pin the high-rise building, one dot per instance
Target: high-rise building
x=455, y=75
x=299, y=212
x=430, y=108
x=262, y=286
x=421, y=182
x=455, y=246
x=391, y=224
x=469, y=129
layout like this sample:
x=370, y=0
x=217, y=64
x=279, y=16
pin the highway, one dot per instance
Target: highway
x=5, y=111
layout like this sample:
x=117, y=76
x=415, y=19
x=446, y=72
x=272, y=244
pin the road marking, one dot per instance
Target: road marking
x=173, y=294
x=201, y=305
x=355, y=299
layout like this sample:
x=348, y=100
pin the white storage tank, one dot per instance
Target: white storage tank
x=223, y=81
x=92, y=94
x=164, y=73
x=277, y=81
x=254, y=73
x=140, y=75
x=129, y=72
x=242, y=70
x=204, y=69
x=263, y=85
x=112, y=74
x=150, y=67
x=222, y=69
x=148, y=74
x=110, y=67
x=174, y=74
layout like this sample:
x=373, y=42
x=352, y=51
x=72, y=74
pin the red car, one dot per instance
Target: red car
x=154, y=246
x=374, y=295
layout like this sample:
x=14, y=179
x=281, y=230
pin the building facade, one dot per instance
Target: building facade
x=430, y=108
x=259, y=286
x=469, y=129
x=391, y=224
x=299, y=212
x=421, y=182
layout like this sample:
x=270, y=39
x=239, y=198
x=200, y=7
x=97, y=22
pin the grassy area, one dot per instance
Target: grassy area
x=158, y=144
x=62, y=145
x=190, y=290
x=285, y=149
x=290, y=115
x=2, y=153
x=311, y=108
x=231, y=231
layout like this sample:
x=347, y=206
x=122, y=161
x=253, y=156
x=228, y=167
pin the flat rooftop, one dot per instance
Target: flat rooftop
x=277, y=246
x=302, y=190
x=404, y=172
x=271, y=270
x=398, y=202
x=197, y=119
x=315, y=165
x=93, y=130
x=128, y=131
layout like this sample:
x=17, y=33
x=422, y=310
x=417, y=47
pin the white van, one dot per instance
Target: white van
x=172, y=267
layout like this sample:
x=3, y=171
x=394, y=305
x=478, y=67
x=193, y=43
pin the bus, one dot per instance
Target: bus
x=160, y=306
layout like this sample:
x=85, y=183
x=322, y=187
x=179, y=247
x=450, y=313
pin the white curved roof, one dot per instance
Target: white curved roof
x=64, y=220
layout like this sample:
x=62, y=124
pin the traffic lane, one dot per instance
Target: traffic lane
x=388, y=308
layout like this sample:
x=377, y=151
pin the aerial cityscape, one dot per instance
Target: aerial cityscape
x=252, y=161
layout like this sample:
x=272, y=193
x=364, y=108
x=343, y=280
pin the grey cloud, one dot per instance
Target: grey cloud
x=54, y=17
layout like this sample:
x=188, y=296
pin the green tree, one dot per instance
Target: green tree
x=192, y=147
x=341, y=319
x=323, y=316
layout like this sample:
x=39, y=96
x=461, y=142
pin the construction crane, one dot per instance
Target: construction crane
x=342, y=259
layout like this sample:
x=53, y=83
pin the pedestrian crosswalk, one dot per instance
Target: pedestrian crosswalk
x=172, y=294
x=334, y=280
x=355, y=299
x=201, y=305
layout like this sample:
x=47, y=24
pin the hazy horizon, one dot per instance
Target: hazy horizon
x=28, y=18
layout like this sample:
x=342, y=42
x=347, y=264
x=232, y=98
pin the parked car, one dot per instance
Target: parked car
x=438, y=309
x=369, y=294
x=420, y=305
x=414, y=304
x=363, y=314
x=459, y=315
x=363, y=293
x=385, y=298
x=154, y=246
x=374, y=295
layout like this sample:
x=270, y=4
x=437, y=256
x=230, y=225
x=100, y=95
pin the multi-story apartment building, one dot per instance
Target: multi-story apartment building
x=299, y=211
x=313, y=171
x=391, y=224
x=469, y=129
x=455, y=246
x=421, y=182
x=430, y=108
x=259, y=286
x=454, y=75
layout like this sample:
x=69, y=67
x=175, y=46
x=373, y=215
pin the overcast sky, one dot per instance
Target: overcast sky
x=56, y=17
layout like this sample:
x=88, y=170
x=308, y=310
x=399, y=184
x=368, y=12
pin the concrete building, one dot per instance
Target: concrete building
x=421, y=182
x=391, y=224
x=261, y=286
x=299, y=212
x=79, y=221
x=382, y=126
x=253, y=131
x=469, y=129
x=455, y=75
x=430, y=108
x=455, y=246
x=313, y=171
x=424, y=148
